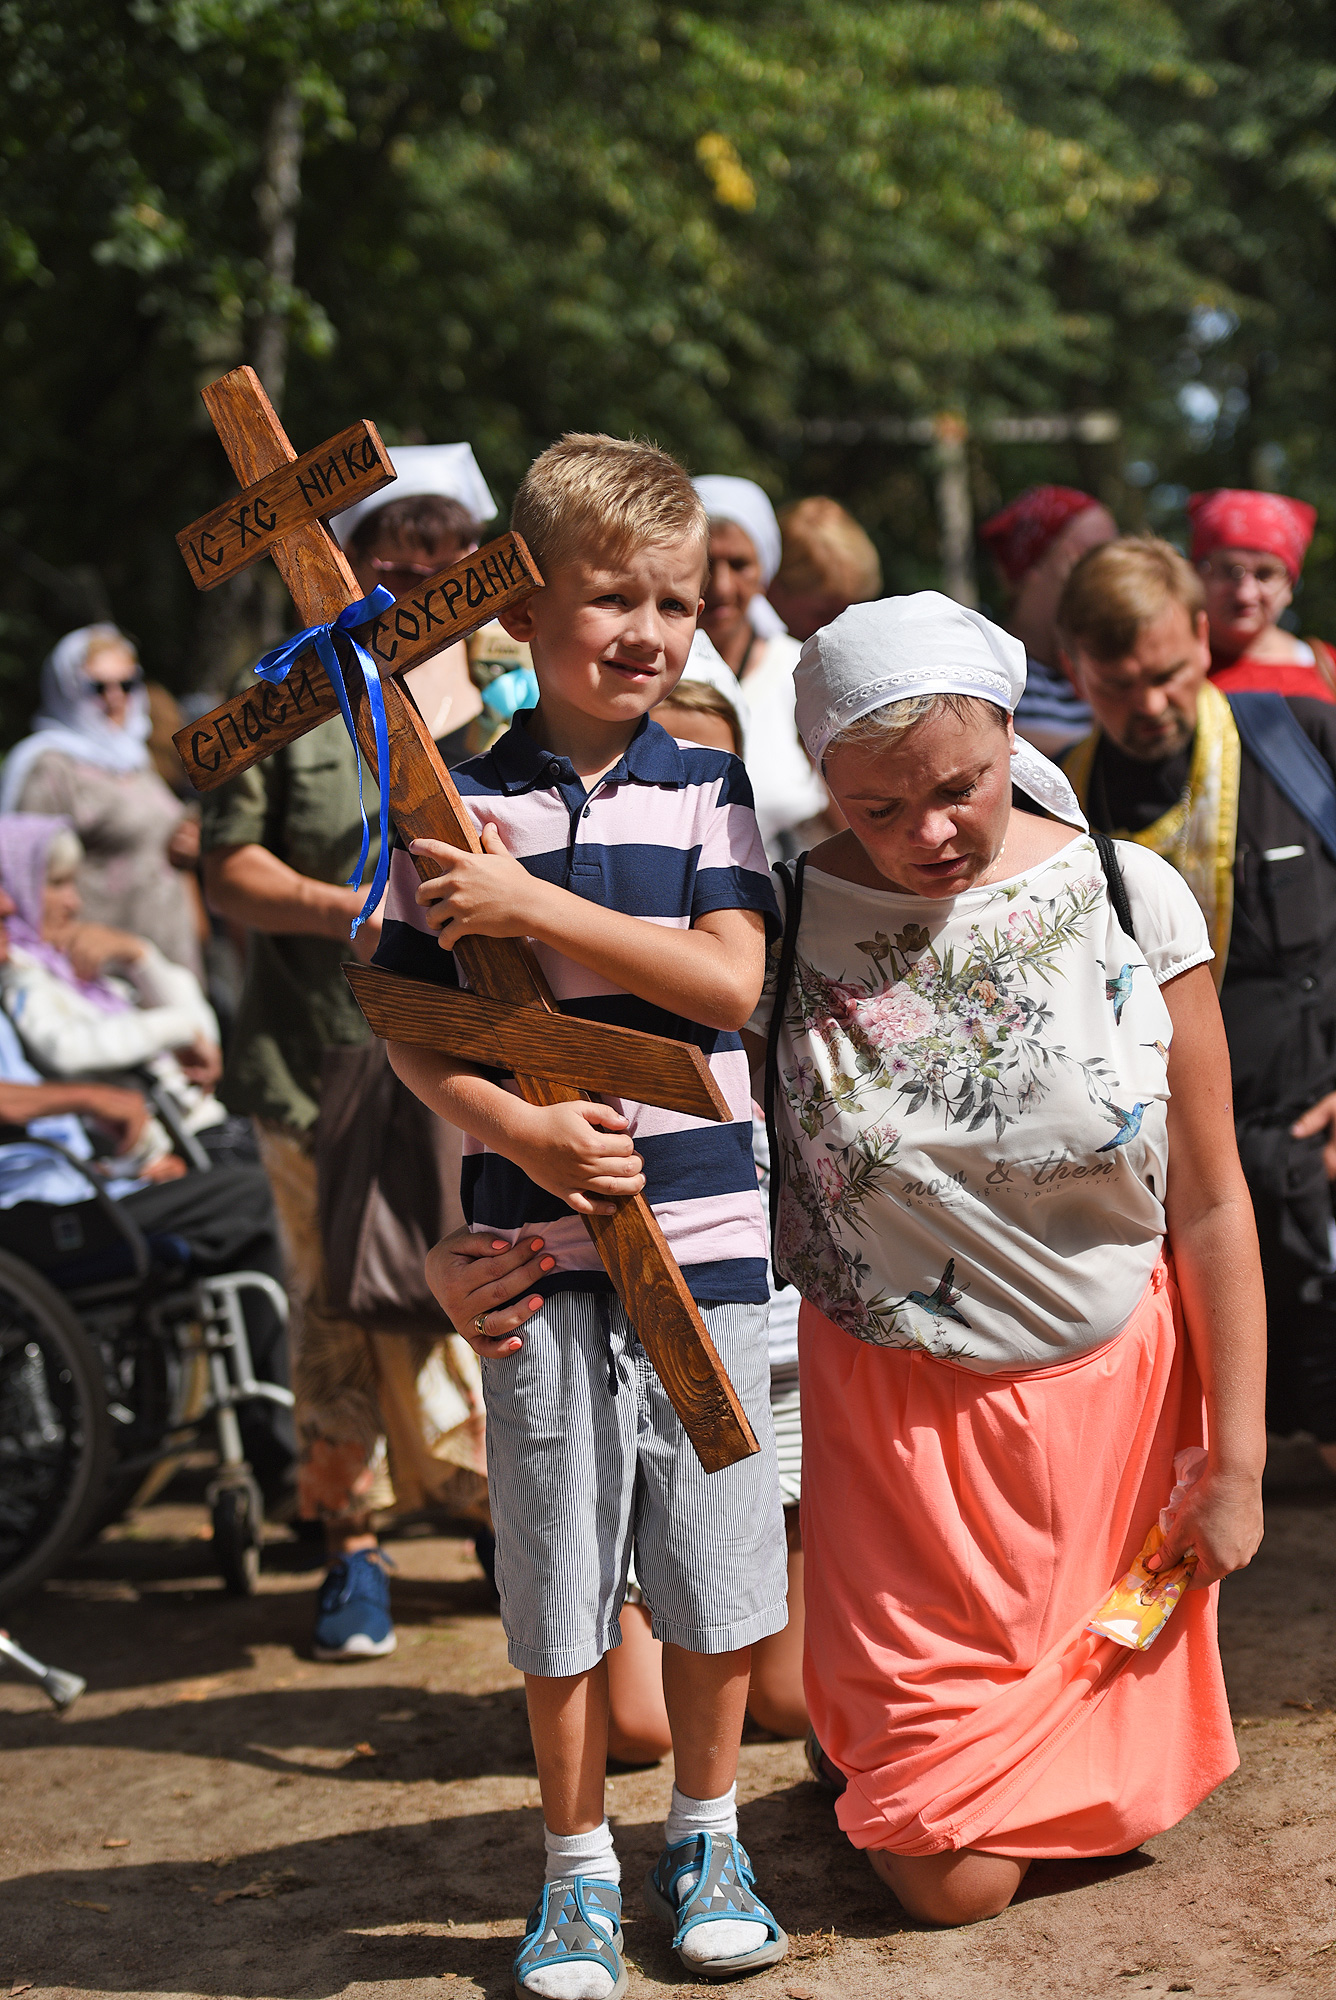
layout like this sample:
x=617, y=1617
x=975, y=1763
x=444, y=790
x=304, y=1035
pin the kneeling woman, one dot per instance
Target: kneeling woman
x=1012, y=1204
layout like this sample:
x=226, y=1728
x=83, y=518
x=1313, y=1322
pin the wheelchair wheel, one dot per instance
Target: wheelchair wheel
x=238, y=1529
x=55, y=1434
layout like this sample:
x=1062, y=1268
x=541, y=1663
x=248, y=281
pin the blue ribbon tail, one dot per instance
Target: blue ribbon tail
x=278, y=664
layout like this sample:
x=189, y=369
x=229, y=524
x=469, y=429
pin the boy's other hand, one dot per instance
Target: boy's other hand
x=473, y=1274
x=579, y=1152
x=476, y=895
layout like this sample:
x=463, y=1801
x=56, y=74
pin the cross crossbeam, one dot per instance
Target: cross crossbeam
x=337, y=474
x=446, y=607
x=425, y=805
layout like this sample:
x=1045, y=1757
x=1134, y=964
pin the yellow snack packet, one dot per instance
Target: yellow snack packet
x=1137, y=1609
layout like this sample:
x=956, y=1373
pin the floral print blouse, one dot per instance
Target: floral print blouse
x=972, y=1099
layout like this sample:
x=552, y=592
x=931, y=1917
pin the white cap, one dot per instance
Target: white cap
x=898, y=647
x=447, y=470
x=748, y=507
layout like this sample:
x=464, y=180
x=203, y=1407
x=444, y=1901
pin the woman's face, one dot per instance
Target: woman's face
x=1246, y=592
x=400, y=562
x=112, y=672
x=930, y=811
x=60, y=905
x=734, y=579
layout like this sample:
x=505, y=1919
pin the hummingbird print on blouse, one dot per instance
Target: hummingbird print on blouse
x=1129, y=1124
x=1119, y=990
x=939, y=1304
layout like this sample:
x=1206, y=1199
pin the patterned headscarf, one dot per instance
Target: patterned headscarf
x=1027, y=529
x=1233, y=518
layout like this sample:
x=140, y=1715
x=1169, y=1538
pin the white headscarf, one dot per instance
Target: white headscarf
x=450, y=471
x=742, y=502
x=73, y=721
x=874, y=654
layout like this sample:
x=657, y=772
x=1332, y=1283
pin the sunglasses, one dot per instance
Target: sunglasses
x=103, y=688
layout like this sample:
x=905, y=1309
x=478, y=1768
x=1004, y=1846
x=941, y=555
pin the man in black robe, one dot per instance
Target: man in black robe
x=1166, y=766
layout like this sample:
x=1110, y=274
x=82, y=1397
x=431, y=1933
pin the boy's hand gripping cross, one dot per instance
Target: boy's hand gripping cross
x=508, y=1016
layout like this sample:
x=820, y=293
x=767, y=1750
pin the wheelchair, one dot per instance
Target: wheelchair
x=113, y=1364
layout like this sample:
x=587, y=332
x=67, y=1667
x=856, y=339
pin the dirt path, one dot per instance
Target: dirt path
x=219, y=1816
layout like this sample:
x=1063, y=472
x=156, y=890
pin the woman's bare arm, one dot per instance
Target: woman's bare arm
x=1214, y=1242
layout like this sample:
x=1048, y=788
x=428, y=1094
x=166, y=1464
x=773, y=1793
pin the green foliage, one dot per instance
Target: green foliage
x=710, y=225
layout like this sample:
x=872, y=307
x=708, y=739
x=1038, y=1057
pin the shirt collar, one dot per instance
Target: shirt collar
x=652, y=757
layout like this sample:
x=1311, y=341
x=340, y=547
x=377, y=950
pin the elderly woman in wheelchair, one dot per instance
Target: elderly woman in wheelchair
x=92, y=1001
x=134, y=1309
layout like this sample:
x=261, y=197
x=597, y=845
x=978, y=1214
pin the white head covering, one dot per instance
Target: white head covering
x=73, y=721
x=448, y=470
x=742, y=502
x=705, y=663
x=874, y=654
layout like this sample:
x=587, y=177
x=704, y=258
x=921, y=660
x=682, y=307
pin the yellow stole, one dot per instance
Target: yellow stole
x=1198, y=834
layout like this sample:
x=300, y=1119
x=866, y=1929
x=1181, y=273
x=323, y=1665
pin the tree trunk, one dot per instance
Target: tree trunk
x=277, y=198
x=955, y=511
x=249, y=615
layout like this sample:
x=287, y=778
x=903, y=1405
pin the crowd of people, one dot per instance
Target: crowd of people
x=976, y=921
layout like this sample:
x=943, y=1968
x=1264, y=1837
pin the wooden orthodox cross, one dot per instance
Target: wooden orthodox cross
x=507, y=1017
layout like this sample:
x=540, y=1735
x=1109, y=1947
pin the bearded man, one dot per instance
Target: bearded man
x=1240, y=795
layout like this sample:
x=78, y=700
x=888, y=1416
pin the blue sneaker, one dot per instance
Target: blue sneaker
x=353, y=1619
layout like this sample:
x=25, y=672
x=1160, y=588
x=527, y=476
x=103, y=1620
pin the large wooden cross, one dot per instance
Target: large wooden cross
x=508, y=1016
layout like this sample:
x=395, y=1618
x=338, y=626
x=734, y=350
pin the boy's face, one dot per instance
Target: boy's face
x=610, y=634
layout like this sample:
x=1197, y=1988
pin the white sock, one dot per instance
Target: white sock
x=578, y=1854
x=582, y=1854
x=722, y=1937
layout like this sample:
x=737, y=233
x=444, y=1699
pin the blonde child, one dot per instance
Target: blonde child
x=634, y=865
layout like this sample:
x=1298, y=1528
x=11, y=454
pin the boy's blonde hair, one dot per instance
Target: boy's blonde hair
x=1120, y=587
x=604, y=496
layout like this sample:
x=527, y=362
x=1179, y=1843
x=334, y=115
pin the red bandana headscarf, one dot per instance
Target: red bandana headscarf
x=1024, y=531
x=1232, y=518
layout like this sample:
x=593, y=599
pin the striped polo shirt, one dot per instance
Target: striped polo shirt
x=667, y=835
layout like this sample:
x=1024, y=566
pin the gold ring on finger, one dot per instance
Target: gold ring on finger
x=480, y=1325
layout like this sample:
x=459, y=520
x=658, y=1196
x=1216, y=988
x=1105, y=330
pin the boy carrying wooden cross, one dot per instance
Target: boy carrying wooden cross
x=634, y=865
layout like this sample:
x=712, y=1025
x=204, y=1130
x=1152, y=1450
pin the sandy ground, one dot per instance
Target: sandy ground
x=220, y=1816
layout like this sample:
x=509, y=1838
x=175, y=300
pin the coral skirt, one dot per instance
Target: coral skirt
x=959, y=1530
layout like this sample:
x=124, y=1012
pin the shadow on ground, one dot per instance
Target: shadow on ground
x=409, y=1736
x=320, y=1925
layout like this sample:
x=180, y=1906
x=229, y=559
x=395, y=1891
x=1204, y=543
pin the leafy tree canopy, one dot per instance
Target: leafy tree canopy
x=717, y=226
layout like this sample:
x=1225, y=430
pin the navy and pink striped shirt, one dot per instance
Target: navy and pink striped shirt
x=667, y=835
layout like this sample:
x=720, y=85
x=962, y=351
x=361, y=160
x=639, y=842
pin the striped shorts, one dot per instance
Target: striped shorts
x=786, y=1415
x=578, y=1476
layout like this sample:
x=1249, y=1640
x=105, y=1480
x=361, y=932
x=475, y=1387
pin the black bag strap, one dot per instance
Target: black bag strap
x=788, y=952
x=1113, y=876
x=1276, y=740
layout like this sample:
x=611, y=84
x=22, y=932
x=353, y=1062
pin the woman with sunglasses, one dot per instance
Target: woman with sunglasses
x=1249, y=549
x=88, y=761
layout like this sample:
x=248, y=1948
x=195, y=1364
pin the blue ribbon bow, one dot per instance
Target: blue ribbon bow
x=277, y=665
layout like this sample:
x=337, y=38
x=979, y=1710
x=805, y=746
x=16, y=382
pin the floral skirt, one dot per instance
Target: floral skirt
x=959, y=1530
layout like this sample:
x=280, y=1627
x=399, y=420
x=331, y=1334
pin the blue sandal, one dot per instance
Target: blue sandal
x=559, y=1931
x=726, y=1889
